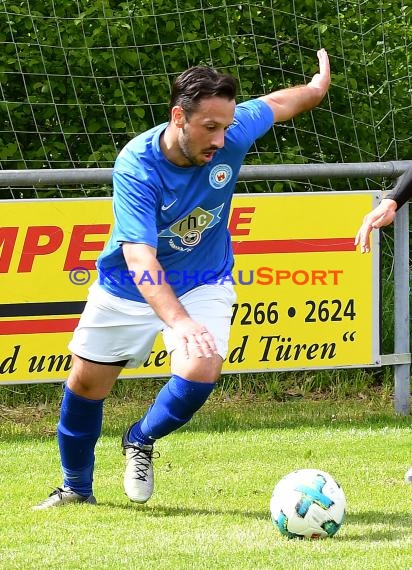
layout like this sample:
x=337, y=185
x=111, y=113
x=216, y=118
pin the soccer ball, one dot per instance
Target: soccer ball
x=308, y=503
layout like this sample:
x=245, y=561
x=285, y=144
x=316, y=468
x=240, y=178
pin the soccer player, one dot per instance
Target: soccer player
x=383, y=215
x=172, y=190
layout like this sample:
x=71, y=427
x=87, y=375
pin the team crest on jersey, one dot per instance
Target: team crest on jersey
x=190, y=228
x=220, y=175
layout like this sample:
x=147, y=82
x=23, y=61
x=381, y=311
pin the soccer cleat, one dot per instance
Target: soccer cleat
x=408, y=476
x=138, y=477
x=60, y=497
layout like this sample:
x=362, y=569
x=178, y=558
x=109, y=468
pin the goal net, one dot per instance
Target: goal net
x=78, y=79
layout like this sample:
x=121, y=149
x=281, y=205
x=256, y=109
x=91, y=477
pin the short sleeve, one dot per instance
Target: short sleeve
x=253, y=119
x=135, y=206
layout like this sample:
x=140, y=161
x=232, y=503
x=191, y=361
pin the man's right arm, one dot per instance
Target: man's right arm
x=142, y=262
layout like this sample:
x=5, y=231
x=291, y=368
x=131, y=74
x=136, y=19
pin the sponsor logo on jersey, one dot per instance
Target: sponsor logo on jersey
x=220, y=175
x=190, y=228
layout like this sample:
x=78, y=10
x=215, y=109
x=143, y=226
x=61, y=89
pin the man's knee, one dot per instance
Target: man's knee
x=91, y=380
x=197, y=369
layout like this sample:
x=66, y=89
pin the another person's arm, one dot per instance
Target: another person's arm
x=384, y=214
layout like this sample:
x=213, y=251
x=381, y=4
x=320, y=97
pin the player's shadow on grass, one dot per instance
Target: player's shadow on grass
x=389, y=526
x=159, y=511
x=393, y=524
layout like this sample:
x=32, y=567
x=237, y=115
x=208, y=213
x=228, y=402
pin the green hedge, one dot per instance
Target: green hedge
x=79, y=79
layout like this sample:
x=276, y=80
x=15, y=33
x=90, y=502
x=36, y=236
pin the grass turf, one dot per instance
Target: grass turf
x=213, y=484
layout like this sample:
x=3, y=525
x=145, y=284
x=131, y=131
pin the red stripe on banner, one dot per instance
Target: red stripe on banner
x=244, y=247
x=294, y=245
x=38, y=326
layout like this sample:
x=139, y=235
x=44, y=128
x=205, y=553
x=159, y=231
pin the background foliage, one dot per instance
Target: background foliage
x=79, y=79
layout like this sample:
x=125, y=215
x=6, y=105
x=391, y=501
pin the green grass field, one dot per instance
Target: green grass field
x=214, y=479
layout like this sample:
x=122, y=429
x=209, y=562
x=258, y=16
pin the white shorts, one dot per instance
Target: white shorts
x=112, y=329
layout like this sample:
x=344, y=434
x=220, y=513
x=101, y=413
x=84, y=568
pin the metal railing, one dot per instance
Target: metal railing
x=390, y=169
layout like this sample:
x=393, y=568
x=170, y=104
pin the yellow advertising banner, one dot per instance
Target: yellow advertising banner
x=306, y=298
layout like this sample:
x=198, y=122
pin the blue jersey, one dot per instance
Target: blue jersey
x=181, y=211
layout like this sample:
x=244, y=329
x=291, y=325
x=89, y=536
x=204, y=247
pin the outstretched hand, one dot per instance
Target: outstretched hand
x=321, y=80
x=289, y=102
x=381, y=216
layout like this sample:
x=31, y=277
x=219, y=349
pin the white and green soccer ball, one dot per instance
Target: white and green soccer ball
x=308, y=503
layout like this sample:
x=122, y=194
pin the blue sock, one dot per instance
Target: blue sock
x=173, y=407
x=78, y=429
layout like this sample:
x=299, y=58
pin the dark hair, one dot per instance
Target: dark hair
x=200, y=82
